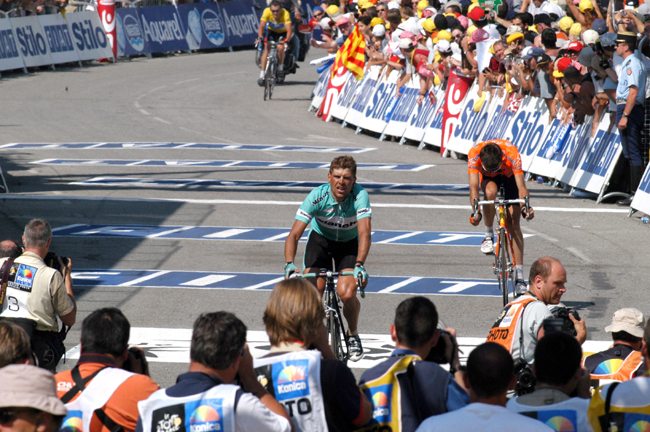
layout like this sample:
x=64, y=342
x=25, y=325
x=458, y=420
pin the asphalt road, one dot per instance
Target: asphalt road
x=213, y=98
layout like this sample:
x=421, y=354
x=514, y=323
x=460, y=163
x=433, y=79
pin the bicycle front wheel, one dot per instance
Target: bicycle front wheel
x=274, y=72
x=334, y=328
x=501, y=262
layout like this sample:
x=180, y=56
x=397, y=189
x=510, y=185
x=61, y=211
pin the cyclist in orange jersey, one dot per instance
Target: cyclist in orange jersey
x=493, y=164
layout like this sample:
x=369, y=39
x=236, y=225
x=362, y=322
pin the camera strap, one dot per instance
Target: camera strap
x=6, y=269
x=521, y=332
x=608, y=403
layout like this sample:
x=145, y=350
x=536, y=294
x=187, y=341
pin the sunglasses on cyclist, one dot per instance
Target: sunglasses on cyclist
x=276, y=10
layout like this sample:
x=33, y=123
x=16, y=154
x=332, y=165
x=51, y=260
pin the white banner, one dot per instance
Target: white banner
x=528, y=128
x=641, y=200
x=59, y=38
x=320, y=88
x=574, y=149
x=422, y=115
x=9, y=52
x=405, y=106
x=31, y=41
x=363, y=97
x=341, y=105
x=470, y=125
x=89, y=36
x=433, y=133
x=375, y=111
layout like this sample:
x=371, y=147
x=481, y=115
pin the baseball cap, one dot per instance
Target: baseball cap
x=565, y=23
x=377, y=20
x=342, y=20
x=585, y=5
x=530, y=52
x=428, y=12
x=575, y=46
x=333, y=11
x=451, y=21
x=562, y=64
x=463, y=21
x=392, y=5
x=443, y=46
x=543, y=59
x=479, y=35
x=422, y=4
x=513, y=37
x=477, y=14
x=326, y=23
x=366, y=6
x=600, y=26
x=629, y=320
x=608, y=40
x=590, y=37
x=406, y=44
x=379, y=30
x=512, y=30
x=428, y=25
x=27, y=386
x=576, y=29
x=440, y=21
x=452, y=3
x=585, y=56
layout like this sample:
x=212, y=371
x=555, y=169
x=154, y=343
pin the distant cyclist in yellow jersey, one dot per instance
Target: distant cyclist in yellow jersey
x=274, y=24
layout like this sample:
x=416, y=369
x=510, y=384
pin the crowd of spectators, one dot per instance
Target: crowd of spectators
x=585, y=59
x=530, y=375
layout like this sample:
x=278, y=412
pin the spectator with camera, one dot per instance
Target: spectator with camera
x=623, y=359
x=28, y=400
x=109, y=379
x=519, y=326
x=332, y=401
x=623, y=405
x=426, y=389
x=562, y=385
x=489, y=377
x=35, y=294
x=220, y=388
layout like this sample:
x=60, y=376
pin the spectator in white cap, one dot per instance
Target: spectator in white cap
x=535, y=7
x=28, y=401
x=623, y=359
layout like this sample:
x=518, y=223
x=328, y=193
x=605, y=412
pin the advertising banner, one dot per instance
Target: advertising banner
x=457, y=88
x=240, y=21
x=204, y=28
x=641, y=199
x=433, y=134
x=130, y=36
x=422, y=115
x=106, y=10
x=320, y=88
x=9, y=54
x=358, y=107
x=406, y=105
x=162, y=29
x=342, y=104
x=546, y=160
x=59, y=38
x=470, y=125
x=89, y=36
x=375, y=111
x=334, y=88
x=31, y=40
x=528, y=128
x=574, y=148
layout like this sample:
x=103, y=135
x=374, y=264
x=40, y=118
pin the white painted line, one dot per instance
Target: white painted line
x=263, y=284
x=207, y=280
x=294, y=203
x=227, y=233
x=400, y=285
x=144, y=112
x=422, y=167
x=54, y=230
x=279, y=164
x=403, y=236
x=277, y=237
x=140, y=162
x=171, y=231
x=144, y=278
x=161, y=120
x=462, y=286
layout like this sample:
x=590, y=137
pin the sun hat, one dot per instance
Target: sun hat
x=27, y=386
x=629, y=320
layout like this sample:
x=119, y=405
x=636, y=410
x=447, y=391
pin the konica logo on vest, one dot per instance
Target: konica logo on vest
x=380, y=396
x=290, y=379
x=212, y=27
x=87, y=36
x=207, y=417
x=72, y=422
x=133, y=33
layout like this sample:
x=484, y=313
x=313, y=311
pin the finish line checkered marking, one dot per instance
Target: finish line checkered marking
x=266, y=281
x=259, y=184
x=159, y=145
x=444, y=238
x=172, y=345
x=224, y=164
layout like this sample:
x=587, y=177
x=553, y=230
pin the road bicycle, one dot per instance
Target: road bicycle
x=504, y=260
x=270, y=74
x=333, y=311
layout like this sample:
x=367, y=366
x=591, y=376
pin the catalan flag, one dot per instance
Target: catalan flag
x=352, y=54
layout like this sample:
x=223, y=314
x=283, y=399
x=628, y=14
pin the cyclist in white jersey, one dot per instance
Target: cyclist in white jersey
x=340, y=213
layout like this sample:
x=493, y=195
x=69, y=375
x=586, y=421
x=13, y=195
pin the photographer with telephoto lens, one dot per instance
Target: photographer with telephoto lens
x=32, y=294
x=520, y=324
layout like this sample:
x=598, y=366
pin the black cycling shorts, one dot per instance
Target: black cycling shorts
x=275, y=36
x=508, y=183
x=320, y=251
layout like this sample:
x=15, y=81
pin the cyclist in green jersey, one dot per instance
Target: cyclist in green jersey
x=339, y=212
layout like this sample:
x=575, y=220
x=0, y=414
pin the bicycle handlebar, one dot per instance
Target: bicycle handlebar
x=502, y=202
x=333, y=274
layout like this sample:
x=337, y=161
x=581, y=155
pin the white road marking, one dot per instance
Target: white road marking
x=400, y=237
x=161, y=120
x=462, y=286
x=277, y=237
x=227, y=233
x=144, y=278
x=400, y=285
x=207, y=280
x=263, y=284
x=171, y=231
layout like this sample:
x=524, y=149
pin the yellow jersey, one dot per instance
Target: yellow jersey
x=281, y=24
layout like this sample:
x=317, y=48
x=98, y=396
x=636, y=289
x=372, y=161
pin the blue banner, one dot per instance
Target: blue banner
x=130, y=37
x=241, y=22
x=162, y=29
x=204, y=25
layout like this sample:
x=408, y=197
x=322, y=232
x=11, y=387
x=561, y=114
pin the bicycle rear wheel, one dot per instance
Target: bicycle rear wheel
x=501, y=263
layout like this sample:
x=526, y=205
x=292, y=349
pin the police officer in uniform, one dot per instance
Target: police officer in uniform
x=35, y=294
x=630, y=110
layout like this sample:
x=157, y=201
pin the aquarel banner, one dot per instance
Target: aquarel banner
x=162, y=29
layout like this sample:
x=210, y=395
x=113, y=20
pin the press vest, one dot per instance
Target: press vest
x=506, y=328
x=294, y=379
x=386, y=395
x=569, y=415
x=629, y=409
x=210, y=411
x=94, y=397
x=615, y=368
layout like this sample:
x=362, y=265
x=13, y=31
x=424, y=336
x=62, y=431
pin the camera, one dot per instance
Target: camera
x=52, y=261
x=562, y=312
x=437, y=353
x=525, y=378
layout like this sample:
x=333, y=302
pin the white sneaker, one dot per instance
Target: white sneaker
x=520, y=287
x=356, y=350
x=487, y=247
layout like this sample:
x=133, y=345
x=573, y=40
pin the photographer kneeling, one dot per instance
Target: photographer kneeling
x=520, y=322
x=32, y=294
x=560, y=376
